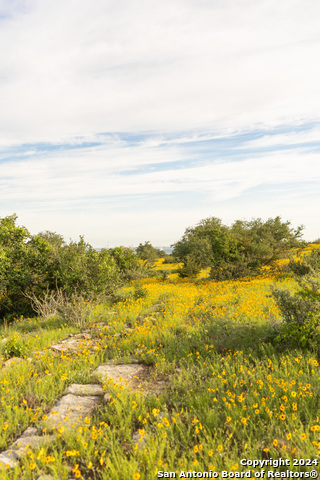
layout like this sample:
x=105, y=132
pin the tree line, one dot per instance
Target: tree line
x=37, y=264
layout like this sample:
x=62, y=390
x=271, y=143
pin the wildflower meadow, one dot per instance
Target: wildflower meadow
x=219, y=388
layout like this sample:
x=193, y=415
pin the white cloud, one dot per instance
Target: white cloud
x=284, y=139
x=75, y=68
x=78, y=72
x=142, y=169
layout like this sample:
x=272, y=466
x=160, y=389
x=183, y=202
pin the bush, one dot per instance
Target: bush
x=236, y=251
x=293, y=307
x=34, y=266
x=46, y=306
x=301, y=310
x=140, y=292
x=75, y=309
x=149, y=253
x=15, y=347
x=306, y=335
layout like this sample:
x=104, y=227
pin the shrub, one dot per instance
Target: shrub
x=301, y=310
x=293, y=307
x=236, y=251
x=15, y=347
x=46, y=306
x=306, y=335
x=32, y=266
x=140, y=292
x=75, y=309
x=149, y=253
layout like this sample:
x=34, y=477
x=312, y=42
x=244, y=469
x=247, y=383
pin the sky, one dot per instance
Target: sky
x=129, y=121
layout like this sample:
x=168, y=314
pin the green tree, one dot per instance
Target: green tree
x=147, y=252
x=130, y=265
x=14, y=272
x=235, y=251
x=32, y=265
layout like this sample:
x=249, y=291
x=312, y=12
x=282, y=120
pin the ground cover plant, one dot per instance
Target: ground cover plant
x=231, y=389
x=231, y=353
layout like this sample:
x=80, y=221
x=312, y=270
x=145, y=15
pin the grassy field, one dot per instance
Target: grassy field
x=230, y=393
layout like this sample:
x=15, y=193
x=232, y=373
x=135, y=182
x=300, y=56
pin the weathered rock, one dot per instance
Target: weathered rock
x=84, y=390
x=139, y=439
x=33, y=441
x=8, y=459
x=13, y=361
x=130, y=374
x=30, y=432
x=73, y=343
x=71, y=409
x=106, y=398
x=82, y=336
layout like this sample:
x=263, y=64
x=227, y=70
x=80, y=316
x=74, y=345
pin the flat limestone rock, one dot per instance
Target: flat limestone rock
x=8, y=459
x=85, y=390
x=72, y=409
x=73, y=343
x=34, y=441
x=130, y=374
x=138, y=438
x=30, y=431
x=13, y=361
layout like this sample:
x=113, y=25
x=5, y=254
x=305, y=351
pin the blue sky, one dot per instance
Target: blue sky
x=130, y=121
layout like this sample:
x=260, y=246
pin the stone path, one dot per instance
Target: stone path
x=76, y=404
x=79, y=401
x=73, y=343
x=29, y=439
x=135, y=376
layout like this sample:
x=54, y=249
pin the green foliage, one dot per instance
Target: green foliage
x=131, y=267
x=140, y=292
x=308, y=265
x=301, y=311
x=169, y=258
x=306, y=335
x=236, y=251
x=149, y=253
x=15, y=347
x=81, y=269
x=34, y=265
x=190, y=267
x=296, y=307
x=293, y=307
